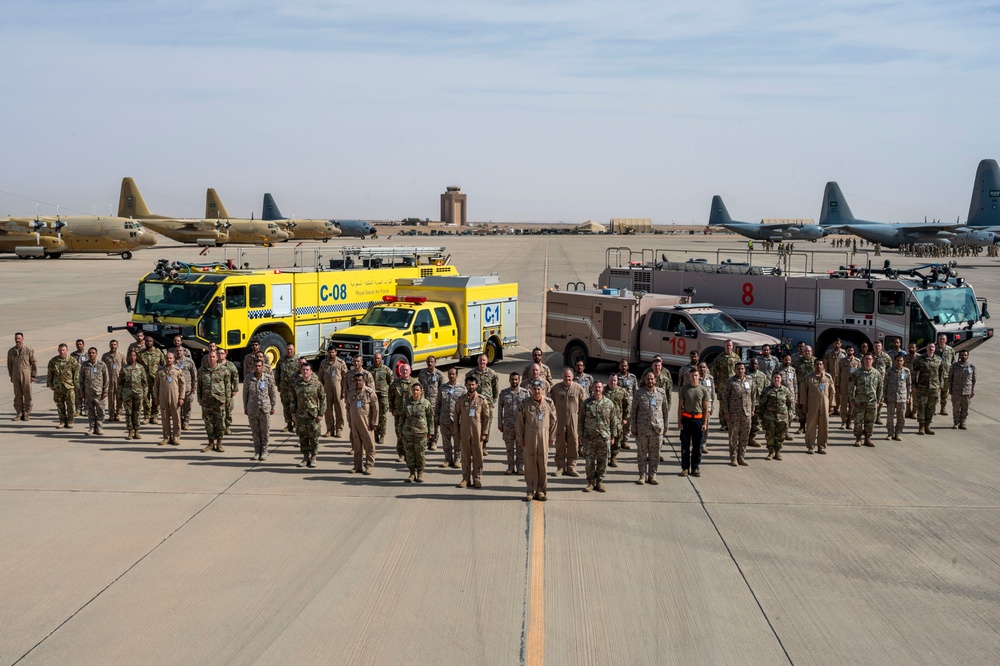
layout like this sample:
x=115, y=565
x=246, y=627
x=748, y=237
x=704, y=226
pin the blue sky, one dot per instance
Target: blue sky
x=540, y=111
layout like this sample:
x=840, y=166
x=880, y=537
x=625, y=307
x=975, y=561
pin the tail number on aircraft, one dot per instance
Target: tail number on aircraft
x=747, y=293
x=491, y=314
x=336, y=292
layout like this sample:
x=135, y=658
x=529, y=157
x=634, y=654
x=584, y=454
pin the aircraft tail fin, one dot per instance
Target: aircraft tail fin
x=718, y=215
x=131, y=203
x=835, y=209
x=214, y=210
x=270, y=212
x=984, y=210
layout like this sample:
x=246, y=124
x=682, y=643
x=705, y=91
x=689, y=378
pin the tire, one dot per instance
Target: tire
x=326, y=240
x=54, y=255
x=126, y=255
x=272, y=344
x=577, y=352
x=493, y=352
x=397, y=360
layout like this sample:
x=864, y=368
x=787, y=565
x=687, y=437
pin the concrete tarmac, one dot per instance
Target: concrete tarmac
x=117, y=551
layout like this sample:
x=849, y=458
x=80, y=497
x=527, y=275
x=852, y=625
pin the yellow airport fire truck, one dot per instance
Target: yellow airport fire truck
x=447, y=316
x=234, y=307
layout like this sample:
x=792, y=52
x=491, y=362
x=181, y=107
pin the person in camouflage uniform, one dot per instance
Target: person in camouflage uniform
x=849, y=365
x=431, y=379
x=804, y=366
x=213, y=392
x=288, y=370
x=63, y=377
x=535, y=374
x=444, y=413
x=910, y=362
x=234, y=387
x=724, y=367
x=362, y=419
x=776, y=405
x=260, y=397
x=882, y=363
x=928, y=375
x=598, y=426
x=767, y=363
x=94, y=380
x=898, y=394
x=137, y=345
x=740, y=404
x=383, y=377
x=663, y=381
x=832, y=364
x=649, y=419
x=509, y=404
x=708, y=381
x=761, y=382
x=250, y=358
x=418, y=420
x=962, y=383
x=357, y=366
x=947, y=354
x=308, y=405
x=115, y=360
x=865, y=388
x=488, y=386
x=399, y=395
x=582, y=377
x=630, y=383
x=132, y=386
x=151, y=359
x=621, y=398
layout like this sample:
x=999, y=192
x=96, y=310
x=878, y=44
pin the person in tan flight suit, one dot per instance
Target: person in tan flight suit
x=536, y=428
x=169, y=393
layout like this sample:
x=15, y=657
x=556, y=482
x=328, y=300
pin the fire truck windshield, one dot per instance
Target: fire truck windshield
x=717, y=322
x=948, y=306
x=172, y=300
x=392, y=317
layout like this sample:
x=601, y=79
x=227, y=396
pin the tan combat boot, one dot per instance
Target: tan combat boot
x=869, y=442
x=412, y=476
x=218, y=446
x=420, y=476
x=613, y=462
x=857, y=442
x=920, y=430
x=599, y=487
x=732, y=462
x=742, y=463
x=590, y=486
x=164, y=442
x=129, y=435
x=777, y=455
x=208, y=447
x=770, y=455
x=135, y=434
x=927, y=429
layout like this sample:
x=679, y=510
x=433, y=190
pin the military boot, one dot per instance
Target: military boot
x=218, y=446
x=311, y=462
x=777, y=455
x=412, y=476
x=641, y=481
x=599, y=486
x=753, y=442
x=420, y=476
x=869, y=442
x=732, y=462
x=857, y=442
x=770, y=455
x=208, y=447
x=17, y=417
x=135, y=434
x=742, y=463
x=26, y=416
x=920, y=430
x=613, y=462
x=927, y=429
x=590, y=486
x=164, y=442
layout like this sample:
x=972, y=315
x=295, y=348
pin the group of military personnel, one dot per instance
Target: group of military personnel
x=535, y=414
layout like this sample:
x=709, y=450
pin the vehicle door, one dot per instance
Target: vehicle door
x=654, y=338
x=445, y=332
x=676, y=338
x=890, y=315
x=424, y=331
x=236, y=319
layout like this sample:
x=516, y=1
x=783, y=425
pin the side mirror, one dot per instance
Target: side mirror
x=128, y=304
x=423, y=327
x=986, y=313
x=354, y=321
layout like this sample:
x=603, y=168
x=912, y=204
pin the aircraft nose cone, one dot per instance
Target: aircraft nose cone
x=147, y=239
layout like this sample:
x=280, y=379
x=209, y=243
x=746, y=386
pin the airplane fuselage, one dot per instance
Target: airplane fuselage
x=77, y=234
x=776, y=232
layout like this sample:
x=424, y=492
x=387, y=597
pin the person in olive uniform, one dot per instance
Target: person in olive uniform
x=234, y=387
x=260, y=398
x=63, y=377
x=399, y=395
x=94, y=381
x=865, y=387
x=928, y=375
x=288, y=370
x=21, y=369
x=962, y=384
x=213, y=392
x=132, y=386
x=598, y=428
x=777, y=405
x=418, y=419
x=383, y=377
x=308, y=405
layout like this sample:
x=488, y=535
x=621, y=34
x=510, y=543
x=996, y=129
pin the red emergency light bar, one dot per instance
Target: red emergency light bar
x=415, y=299
x=389, y=299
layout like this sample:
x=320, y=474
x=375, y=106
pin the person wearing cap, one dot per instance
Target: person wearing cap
x=535, y=429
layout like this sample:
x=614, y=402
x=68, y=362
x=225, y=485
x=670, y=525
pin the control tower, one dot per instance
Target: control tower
x=453, y=207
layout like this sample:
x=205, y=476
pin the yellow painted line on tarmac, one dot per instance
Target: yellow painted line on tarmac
x=534, y=653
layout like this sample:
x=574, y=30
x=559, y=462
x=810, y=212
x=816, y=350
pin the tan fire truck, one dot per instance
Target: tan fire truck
x=615, y=325
x=234, y=307
x=854, y=304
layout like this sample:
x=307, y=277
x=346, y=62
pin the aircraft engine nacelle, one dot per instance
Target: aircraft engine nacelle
x=979, y=238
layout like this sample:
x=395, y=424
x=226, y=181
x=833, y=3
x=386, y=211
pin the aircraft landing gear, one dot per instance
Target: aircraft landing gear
x=54, y=255
x=126, y=255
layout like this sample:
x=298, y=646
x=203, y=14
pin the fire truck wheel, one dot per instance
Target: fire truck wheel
x=273, y=346
x=577, y=352
x=493, y=352
x=397, y=360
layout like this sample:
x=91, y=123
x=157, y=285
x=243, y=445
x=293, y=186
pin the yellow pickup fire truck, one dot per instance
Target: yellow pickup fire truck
x=234, y=307
x=449, y=317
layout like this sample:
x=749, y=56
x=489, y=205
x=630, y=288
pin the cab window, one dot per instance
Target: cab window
x=258, y=295
x=890, y=302
x=423, y=317
x=864, y=301
x=236, y=297
x=443, y=316
x=658, y=321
